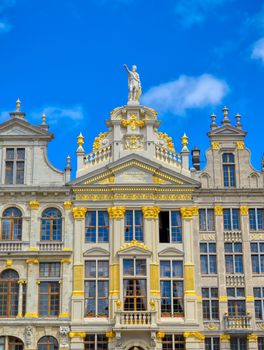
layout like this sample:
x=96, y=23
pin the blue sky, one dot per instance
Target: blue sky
x=65, y=58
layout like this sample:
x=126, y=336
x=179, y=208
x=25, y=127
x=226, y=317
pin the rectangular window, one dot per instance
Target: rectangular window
x=95, y=342
x=231, y=219
x=170, y=227
x=14, y=166
x=238, y=343
x=236, y=302
x=171, y=287
x=259, y=302
x=135, y=284
x=208, y=258
x=257, y=257
x=210, y=304
x=97, y=226
x=212, y=343
x=134, y=225
x=173, y=342
x=206, y=220
x=49, y=299
x=49, y=269
x=229, y=170
x=96, y=288
x=256, y=219
x=233, y=258
x=260, y=343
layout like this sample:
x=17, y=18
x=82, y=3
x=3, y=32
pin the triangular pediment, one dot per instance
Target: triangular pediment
x=171, y=252
x=96, y=251
x=134, y=248
x=135, y=170
x=227, y=130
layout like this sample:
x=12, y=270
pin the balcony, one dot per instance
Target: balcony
x=50, y=246
x=13, y=246
x=237, y=324
x=136, y=319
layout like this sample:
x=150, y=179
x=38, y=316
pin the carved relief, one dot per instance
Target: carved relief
x=134, y=142
x=28, y=336
x=64, y=338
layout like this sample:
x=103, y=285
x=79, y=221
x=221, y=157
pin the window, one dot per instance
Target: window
x=171, y=286
x=208, y=258
x=133, y=225
x=238, y=343
x=49, y=289
x=233, y=258
x=260, y=343
x=11, y=343
x=12, y=225
x=236, y=302
x=173, y=342
x=48, y=343
x=51, y=224
x=231, y=219
x=96, y=287
x=170, y=227
x=256, y=219
x=229, y=170
x=95, y=342
x=206, y=220
x=9, y=290
x=212, y=343
x=14, y=166
x=135, y=284
x=259, y=302
x=257, y=257
x=210, y=304
x=97, y=227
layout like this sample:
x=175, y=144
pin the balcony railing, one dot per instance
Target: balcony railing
x=136, y=318
x=235, y=280
x=94, y=158
x=233, y=236
x=237, y=323
x=13, y=246
x=169, y=157
x=50, y=246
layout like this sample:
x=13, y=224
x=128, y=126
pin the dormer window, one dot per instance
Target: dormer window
x=14, y=166
x=229, y=170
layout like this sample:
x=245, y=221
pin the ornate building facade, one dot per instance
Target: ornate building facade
x=142, y=250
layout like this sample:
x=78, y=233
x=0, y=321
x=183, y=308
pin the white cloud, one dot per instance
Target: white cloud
x=5, y=26
x=56, y=114
x=258, y=50
x=185, y=93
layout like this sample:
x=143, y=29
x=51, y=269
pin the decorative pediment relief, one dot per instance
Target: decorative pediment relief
x=134, y=248
x=96, y=251
x=171, y=252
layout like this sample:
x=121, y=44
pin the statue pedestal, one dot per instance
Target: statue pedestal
x=133, y=103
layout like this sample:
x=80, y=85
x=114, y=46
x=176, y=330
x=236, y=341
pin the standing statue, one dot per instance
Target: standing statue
x=134, y=84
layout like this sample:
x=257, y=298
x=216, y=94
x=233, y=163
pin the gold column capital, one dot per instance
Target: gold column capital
x=215, y=145
x=67, y=205
x=222, y=298
x=32, y=314
x=116, y=212
x=34, y=205
x=160, y=335
x=240, y=145
x=151, y=212
x=199, y=336
x=218, y=210
x=9, y=262
x=77, y=334
x=244, y=210
x=250, y=298
x=252, y=338
x=188, y=212
x=66, y=260
x=32, y=261
x=110, y=334
x=79, y=212
x=224, y=337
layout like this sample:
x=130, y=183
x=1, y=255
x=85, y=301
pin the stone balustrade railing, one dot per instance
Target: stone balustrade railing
x=50, y=246
x=94, y=158
x=13, y=246
x=235, y=280
x=136, y=318
x=233, y=236
x=168, y=157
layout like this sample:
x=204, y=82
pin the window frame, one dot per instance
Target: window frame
x=126, y=226
x=10, y=283
x=235, y=300
x=48, y=344
x=234, y=260
x=260, y=257
x=229, y=170
x=171, y=241
x=231, y=219
x=206, y=219
x=51, y=219
x=212, y=345
x=15, y=160
x=210, y=299
x=173, y=343
x=256, y=221
x=208, y=255
x=13, y=223
x=97, y=227
x=95, y=341
x=260, y=300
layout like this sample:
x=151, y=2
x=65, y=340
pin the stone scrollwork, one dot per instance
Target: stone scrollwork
x=29, y=336
x=133, y=122
x=252, y=338
x=64, y=336
x=151, y=212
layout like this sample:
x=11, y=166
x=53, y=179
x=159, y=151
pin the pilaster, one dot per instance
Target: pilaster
x=34, y=224
x=77, y=340
x=252, y=341
x=65, y=288
x=32, y=288
x=225, y=342
x=194, y=340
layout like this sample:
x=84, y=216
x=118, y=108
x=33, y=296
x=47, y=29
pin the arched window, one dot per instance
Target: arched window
x=12, y=225
x=229, y=170
x=48, y=343
x=9, y=290
x=11, y=343
x=51, y=224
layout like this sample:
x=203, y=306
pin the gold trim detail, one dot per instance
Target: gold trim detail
x=34, y=205
x=243, y=210
x=9, y=262
x=133, y=122
x=32, y=261
x=64, y=315
x=199, y=298
x=224, y=337
x=116, y=212
x=134, y=243
x=78, y=279
x=108, y=180
x=223, y=298
x=133, y=196
x=32, y=314
x=168, y=139
x=240, y=145
x=215, y=145
x=151, y=212
x=98, y=139
x=250, y=298
x=160, y=335
x=110, y=334
x=218, y=210
x=158, y=180
x=34, y=249
x=199, y=336
x=67, y=205
x=66, y=260
x=77, y=293
x=189, y=212
x=79, y=212
x=114, y=280
x=189, y=286
x=252, y=338
x=154, y=280
x=77, y=334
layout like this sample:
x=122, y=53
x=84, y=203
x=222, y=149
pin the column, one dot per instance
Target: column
x=225, y=342
x=189, y=266
x=34, y=225
x=65, y=288
x=20, y=298
x=252, y=341
x=68, y=238
x=194, y=340
x=77, y=340
x=116, y=216
x=151, y=230
x=32, y=288
x=78, y=268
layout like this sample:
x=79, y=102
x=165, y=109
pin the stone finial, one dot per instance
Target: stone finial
x=17, y=113
x=43, y=118
x=238, y=121
x=80, y=140
x=213, y=124
x=225, y=113
x=185, y=140
x=68, y=160
x=18, y=104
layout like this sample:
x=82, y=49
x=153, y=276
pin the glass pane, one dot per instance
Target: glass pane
x=177, y=269
x=165, y=269
x=141, y=267
x=103, y=269
x=128, y=267
x=90, y=268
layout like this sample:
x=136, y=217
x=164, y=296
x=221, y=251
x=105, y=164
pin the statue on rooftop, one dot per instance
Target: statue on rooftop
x=134, y=84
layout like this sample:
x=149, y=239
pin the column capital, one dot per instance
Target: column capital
x=67, y=205
x=243, y=210
x=34, y=205
x=199, y=336
x=215, y=145
x=110, y=334
x=252, y=338
x=32, y=261
x=218, y=210
x=79, y=212
x=77, y=334
x=160, y=335
x=224, y=337
x=151, y=212
x=188, y=212
x=116, y=212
